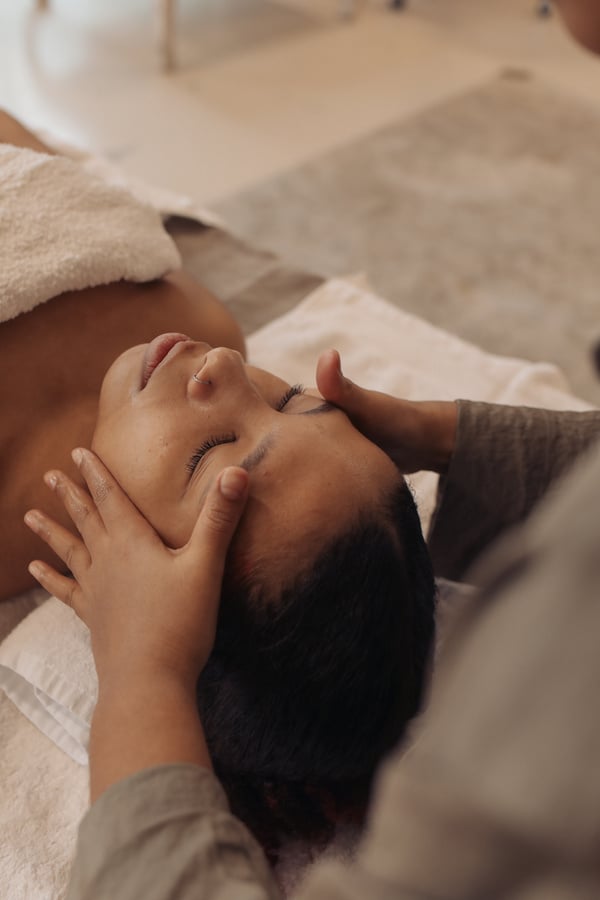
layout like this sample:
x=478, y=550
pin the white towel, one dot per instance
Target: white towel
x=165, y=201
x=47, y=670
x=387, y=349
x=46, y=663
x=63, y=228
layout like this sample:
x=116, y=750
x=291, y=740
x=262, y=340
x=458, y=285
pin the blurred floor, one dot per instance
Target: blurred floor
x=261, y=86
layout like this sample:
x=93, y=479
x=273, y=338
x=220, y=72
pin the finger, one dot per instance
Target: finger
x=335, y=387
x=77, y=503
x=219, y=519
x=115, y=509
x=66, y=545
x=65, y=589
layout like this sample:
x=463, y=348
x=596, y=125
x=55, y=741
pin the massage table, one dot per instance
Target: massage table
x=47, y=678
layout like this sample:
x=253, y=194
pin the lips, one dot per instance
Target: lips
x=156, y=351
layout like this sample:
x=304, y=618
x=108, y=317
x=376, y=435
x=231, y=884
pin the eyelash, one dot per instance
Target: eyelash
x=203, y=449
x=291, y=392
x=199, y=453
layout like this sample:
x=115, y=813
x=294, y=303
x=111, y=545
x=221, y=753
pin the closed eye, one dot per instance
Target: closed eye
x=291, y=392
x=201, y=451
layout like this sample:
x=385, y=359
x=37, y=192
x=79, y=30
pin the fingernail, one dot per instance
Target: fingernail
x=77, y=456
x=338, y=363
x=233, y=484
x=32, y=519
x=34, y=569
x=51, y=480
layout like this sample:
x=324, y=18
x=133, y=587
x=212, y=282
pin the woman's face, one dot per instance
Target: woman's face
x=166, y=436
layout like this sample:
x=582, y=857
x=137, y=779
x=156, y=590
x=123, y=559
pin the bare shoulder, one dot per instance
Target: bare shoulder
x=13, y=132
x=52, y=363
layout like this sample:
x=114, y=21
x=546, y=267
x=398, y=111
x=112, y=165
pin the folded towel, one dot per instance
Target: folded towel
x=44, y=796
x=14, y=610
x=47, y=670
x=165, y=201
x=64, y=229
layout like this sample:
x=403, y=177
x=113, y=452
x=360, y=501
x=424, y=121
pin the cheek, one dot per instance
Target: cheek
x=129, y=457
x=150, y=486
x=148, y=460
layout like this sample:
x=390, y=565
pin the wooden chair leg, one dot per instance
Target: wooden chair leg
x=167, y=33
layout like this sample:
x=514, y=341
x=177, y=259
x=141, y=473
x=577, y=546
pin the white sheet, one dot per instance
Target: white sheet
x=45, y=791
x=387, y=349
x=47, y=671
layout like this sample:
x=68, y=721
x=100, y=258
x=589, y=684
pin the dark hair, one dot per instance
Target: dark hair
x=308, y=693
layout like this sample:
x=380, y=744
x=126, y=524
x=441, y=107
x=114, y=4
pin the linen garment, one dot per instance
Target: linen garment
x=496, y=794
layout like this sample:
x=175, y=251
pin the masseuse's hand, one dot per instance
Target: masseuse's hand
x=416, y=435
x=149, y=608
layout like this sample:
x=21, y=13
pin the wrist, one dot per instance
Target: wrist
x=440, y=433
x=146, y=720
x=447, y=419
x=131, y=683
x=136, y=671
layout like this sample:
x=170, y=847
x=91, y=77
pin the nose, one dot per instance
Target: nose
x=222, y=361
x=221, y=367
x=223, y=373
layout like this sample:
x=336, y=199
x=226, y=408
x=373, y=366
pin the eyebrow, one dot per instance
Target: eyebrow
x=256, y=456
x=323, y=407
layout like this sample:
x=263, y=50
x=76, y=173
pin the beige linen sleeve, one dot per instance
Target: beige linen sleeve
x=505, y=459
x=498, y=795
x=167, y=833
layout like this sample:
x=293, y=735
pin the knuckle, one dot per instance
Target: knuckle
x=350, y=392
x=218, y=519
x=69, y=556
x=80, y=510
x=70, y=598
x=101, y=491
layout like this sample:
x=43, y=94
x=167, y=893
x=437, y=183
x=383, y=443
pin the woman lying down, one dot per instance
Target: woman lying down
x=326, y=616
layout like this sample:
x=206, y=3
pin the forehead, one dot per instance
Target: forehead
x=293, y=515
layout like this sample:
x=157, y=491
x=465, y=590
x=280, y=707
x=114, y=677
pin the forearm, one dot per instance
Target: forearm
x=504, y=461
x=140, y=723
x=159, y=826
x=167, y=833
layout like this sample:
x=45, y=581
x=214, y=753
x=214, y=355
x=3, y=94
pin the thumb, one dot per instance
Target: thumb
x=334, y=386
x=220, y=516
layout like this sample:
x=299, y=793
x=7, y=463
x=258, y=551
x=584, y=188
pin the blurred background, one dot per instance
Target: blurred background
x=448, y=149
